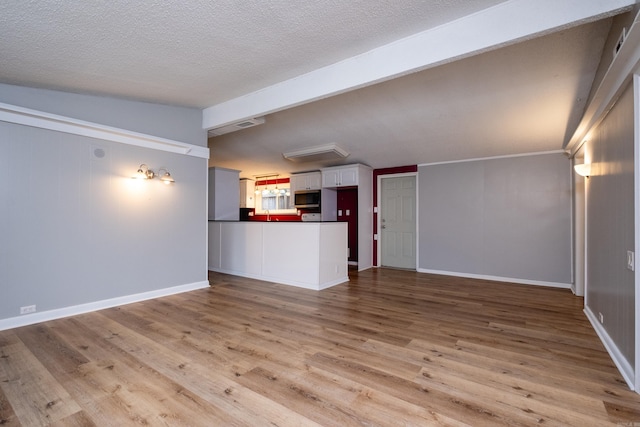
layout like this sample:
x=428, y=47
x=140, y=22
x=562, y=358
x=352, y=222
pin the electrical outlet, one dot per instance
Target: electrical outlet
x=601, y=318
x=28, y=309
x=631, y=260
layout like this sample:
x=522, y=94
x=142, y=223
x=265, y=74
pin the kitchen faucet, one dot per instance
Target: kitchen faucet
x=268, y=215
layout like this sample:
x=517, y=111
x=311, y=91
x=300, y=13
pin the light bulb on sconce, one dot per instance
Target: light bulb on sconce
x=583, y=169
x=145, y=173
x=166, y=177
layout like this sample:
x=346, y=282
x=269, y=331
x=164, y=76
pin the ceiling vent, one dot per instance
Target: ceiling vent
x=321, y=152
x=236, y=126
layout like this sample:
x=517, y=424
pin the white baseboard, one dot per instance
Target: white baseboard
x=621, y=362
x=30, y=319
x=339, y=281
x=498, y=278
x=295, y=283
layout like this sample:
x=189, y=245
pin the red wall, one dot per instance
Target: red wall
x=284, y=218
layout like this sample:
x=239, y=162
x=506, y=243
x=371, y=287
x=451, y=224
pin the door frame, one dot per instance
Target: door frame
x=379, y=216
x=636, y=211
x=579, y=226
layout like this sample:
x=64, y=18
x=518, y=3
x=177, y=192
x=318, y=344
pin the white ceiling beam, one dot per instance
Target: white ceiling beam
x=501, y=25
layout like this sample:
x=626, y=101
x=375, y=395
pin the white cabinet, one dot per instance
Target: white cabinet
x=247, y=193
x=341, y=176
x=305, y=181
x=310, y=255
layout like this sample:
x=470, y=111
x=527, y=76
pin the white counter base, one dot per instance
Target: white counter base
x=311, y=255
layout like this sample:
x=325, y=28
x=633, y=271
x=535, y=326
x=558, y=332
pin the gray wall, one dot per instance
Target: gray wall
x=507, y=218
x=610, y=224
x=75, y=228
x=176, y=123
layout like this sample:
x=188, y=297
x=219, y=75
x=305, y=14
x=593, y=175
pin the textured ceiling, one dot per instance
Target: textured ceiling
x=521, y=95
x=519, y=99
x=199, y=52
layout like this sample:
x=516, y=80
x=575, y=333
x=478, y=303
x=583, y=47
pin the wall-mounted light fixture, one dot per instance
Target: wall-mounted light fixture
x=145, y=173
x=583, y=169
x=166, y=176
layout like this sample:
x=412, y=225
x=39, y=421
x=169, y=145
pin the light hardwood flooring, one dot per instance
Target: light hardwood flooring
x=390, y=348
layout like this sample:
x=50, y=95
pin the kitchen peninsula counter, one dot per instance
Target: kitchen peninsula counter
x=310, y=255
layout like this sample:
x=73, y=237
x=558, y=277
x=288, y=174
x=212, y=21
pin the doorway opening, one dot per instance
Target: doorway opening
x=347, y=206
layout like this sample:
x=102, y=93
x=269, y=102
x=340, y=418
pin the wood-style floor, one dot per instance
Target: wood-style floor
x=390, y=348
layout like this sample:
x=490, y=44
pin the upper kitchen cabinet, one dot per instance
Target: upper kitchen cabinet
x=224, y=197
x=247, y=193
x=342, y=176
x=345, y=176
x=305, y=181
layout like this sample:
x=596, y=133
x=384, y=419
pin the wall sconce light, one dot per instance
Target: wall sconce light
x=166, y=177
x=145, y=173
x=583, y=169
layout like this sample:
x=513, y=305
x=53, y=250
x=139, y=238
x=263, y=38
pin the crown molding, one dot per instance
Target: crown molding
x=39, y=119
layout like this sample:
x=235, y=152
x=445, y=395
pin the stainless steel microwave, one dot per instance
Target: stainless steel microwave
x=306, y=199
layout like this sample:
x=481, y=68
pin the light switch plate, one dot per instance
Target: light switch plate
x=631, y=261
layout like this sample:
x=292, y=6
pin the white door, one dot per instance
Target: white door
x=398, y=222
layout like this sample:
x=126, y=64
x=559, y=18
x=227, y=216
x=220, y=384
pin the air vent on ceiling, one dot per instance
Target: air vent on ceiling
x=321, y=152
x=236, y=126
x=620, y=41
